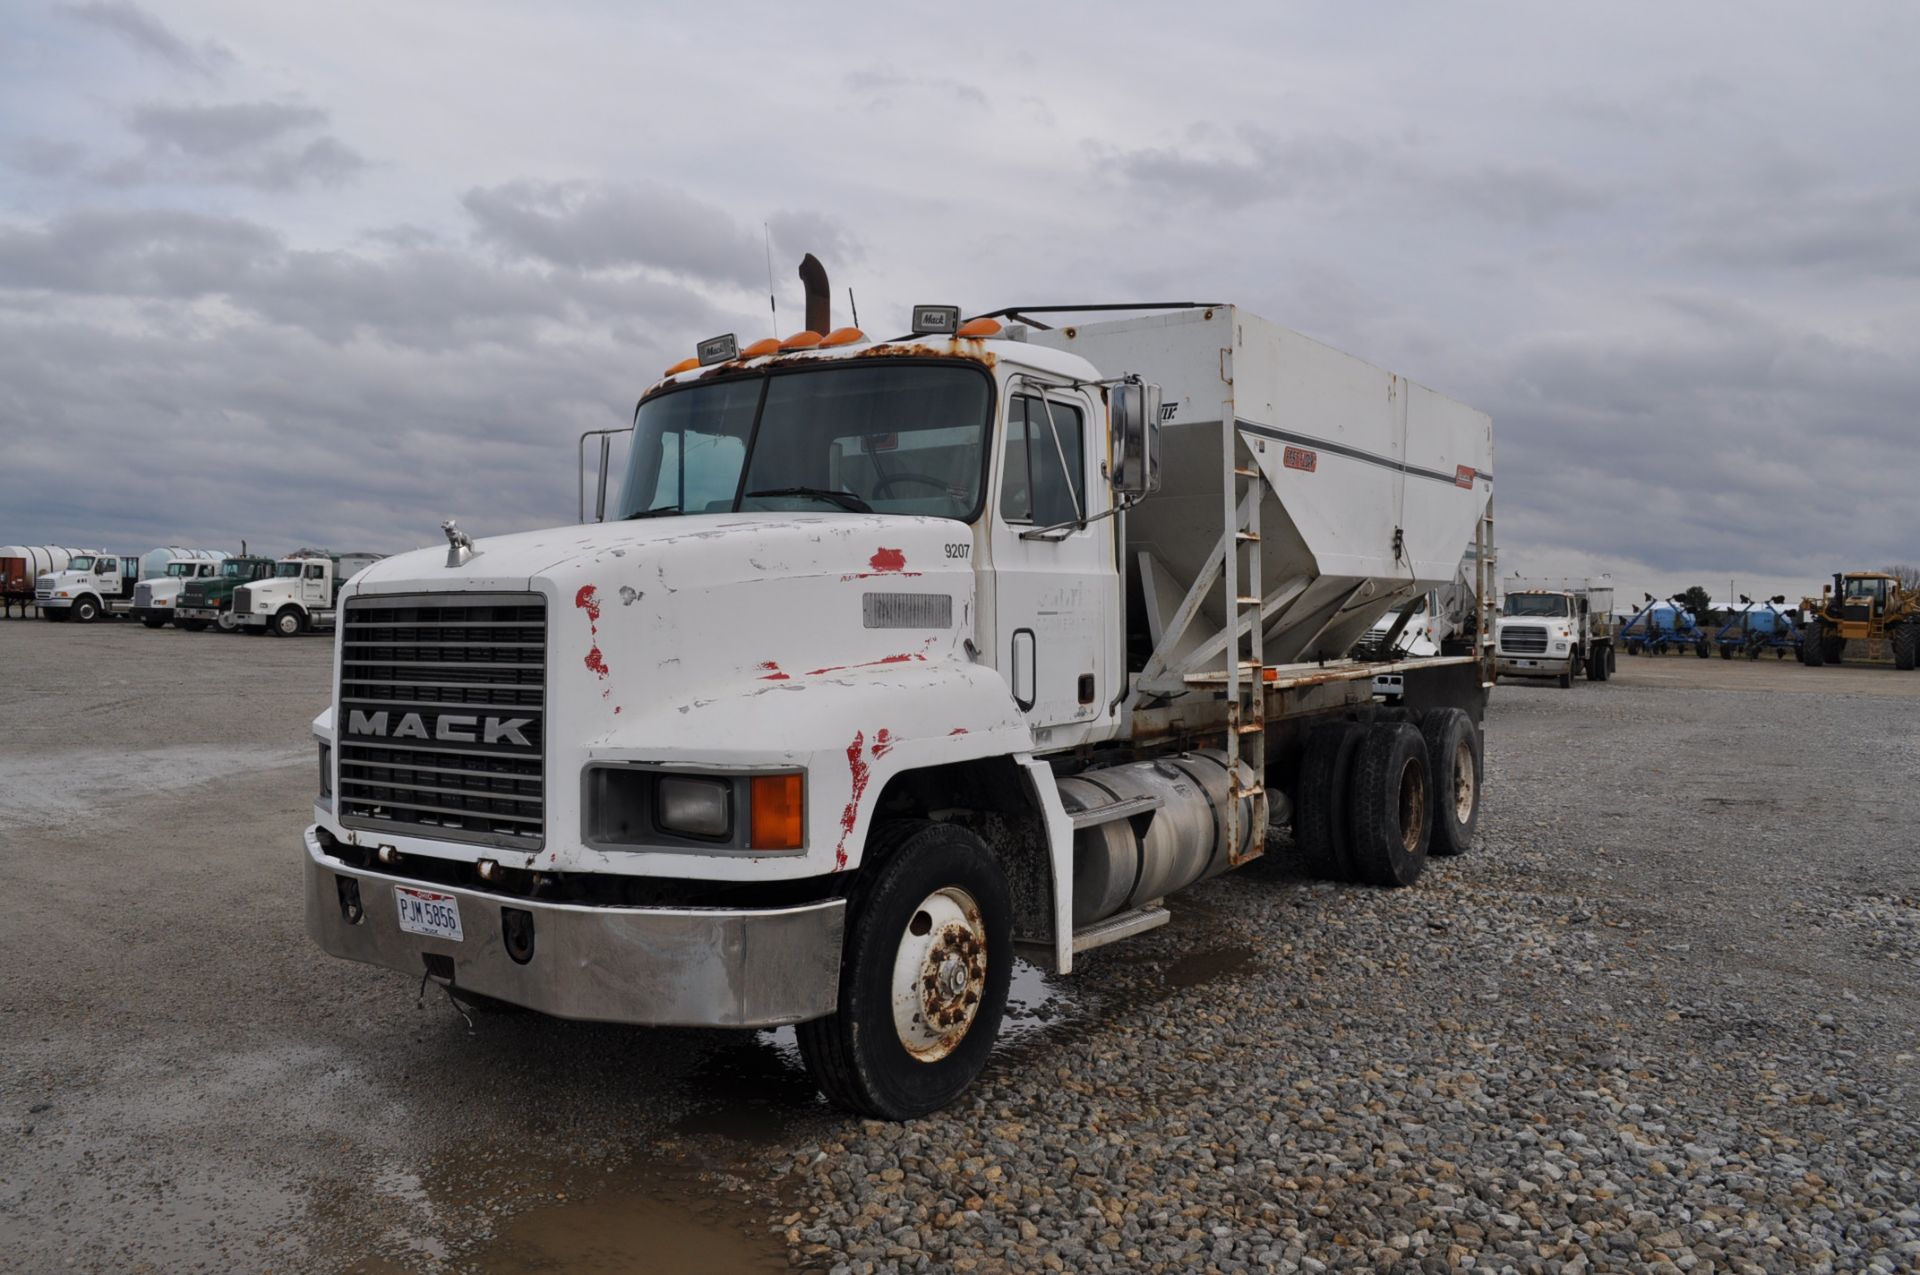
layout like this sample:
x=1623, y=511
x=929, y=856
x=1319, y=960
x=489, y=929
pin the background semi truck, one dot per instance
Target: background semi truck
x=301, y=594
x=99, y=585
x=897, y=658
x=156, y=597
x=210, y=601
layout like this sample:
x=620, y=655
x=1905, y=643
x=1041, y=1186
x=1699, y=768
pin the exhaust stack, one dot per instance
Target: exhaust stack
x=819, y=309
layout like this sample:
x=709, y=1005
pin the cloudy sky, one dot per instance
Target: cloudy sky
x=327, y=274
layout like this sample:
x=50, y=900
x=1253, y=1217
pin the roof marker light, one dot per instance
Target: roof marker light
x=684, y=365
x=717, y=349
x=842, y=336
x=801, y=341
x=768, y=345
x=979, y=328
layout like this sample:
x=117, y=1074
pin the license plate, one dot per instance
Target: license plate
x=424, y=912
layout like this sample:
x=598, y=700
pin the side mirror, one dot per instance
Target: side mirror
x=1134, y=411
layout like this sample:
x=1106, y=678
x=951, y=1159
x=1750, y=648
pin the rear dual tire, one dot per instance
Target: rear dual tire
x=1374, y=800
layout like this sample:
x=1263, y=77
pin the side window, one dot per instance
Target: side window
x=1033, y=487
x=315, y=571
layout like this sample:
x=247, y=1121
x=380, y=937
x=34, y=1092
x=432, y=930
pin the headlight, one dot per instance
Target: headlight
x=631, y=807
x=694, y=807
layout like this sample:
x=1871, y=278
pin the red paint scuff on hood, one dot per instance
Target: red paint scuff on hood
x=889, y=659
x=857, y=765
x=589, y=601
x=888, y=560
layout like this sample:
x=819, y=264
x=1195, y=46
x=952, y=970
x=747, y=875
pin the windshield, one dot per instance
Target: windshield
x=1538, y=604
x=234, y=569
x=287, y=570
x=82, y=563
x=895, y=437
x=180, y=570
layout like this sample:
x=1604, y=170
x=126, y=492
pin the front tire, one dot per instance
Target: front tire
x=1906, y=645
x=1813, y=645
x=194, y=626
x=287, y=622
x=85, y=611
x=923, y=974
x=153, y=622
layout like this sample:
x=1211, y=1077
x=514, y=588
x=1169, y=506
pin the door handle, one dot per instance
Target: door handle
x=1025, y=677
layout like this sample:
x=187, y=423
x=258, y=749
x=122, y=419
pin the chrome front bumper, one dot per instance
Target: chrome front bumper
x=680, y=967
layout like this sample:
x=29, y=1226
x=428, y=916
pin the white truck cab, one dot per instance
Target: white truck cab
x=155, y=599
x=1560, y=630
x=299, y=596
x=93, y=586
x=892, y=658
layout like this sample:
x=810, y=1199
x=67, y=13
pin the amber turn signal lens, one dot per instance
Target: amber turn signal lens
x=778, y=812
x=684, y=365
x=979, y=328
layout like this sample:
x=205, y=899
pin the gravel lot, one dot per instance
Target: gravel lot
x=1663, y=1018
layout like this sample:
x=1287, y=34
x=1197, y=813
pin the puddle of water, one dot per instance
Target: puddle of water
x=669, y=1225
x=1034, y=999
x=750, y=1091
x=1204, y=967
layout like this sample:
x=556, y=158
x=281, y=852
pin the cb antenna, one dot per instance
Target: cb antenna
x=771, y=304
x=854, y=306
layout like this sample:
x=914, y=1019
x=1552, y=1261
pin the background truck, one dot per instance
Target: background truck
x=897, y=658
x=155, y=597
x=301, y=594
x=210, y=600
x=98, y=585
x=1561, y=629
x=22, y=565
x=90, y=586
x=1868, y=607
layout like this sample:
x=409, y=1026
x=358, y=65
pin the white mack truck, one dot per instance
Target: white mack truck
x=896, y=659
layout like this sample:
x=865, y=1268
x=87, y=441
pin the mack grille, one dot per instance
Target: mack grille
x=441, y=716
x=1524, y=639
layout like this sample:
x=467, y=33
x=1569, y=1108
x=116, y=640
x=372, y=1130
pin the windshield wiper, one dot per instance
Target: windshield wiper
x=652, y=513
x=845, y=499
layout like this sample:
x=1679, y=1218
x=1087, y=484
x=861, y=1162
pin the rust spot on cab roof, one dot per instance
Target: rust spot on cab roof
x=966, y=349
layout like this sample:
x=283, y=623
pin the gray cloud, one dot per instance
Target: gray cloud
x=148, y=35
x=43, y=157
x=1249, y=166
x=884, y=87
x=587, y=226
x=214, y=132
x=238, y=143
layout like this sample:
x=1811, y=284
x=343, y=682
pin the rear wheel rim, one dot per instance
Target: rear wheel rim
x=1463, y=785
x=1413, y=806
x=939, y=973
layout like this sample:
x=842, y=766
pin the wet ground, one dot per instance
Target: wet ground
x=186, y=1085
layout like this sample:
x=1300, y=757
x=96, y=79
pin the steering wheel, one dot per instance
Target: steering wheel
x=925, y=479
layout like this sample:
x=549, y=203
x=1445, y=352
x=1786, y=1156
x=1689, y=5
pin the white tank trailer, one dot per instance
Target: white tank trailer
x=995, y=637
x=93, y=586
x=21, y=565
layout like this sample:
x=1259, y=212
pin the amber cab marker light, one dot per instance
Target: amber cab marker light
x=778, y=809
x=765, y=346
x=842, y=336
x=801, y=341
x=684, y=365
x=979, y=328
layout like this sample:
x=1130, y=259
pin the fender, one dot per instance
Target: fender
x=851, y=730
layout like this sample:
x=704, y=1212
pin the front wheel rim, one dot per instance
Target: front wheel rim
x=939, y=974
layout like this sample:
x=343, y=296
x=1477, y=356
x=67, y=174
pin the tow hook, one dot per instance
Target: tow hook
x=516, y=929
x=350, y=907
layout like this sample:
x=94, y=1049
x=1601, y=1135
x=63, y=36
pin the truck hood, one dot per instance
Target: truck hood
x=663, y=616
